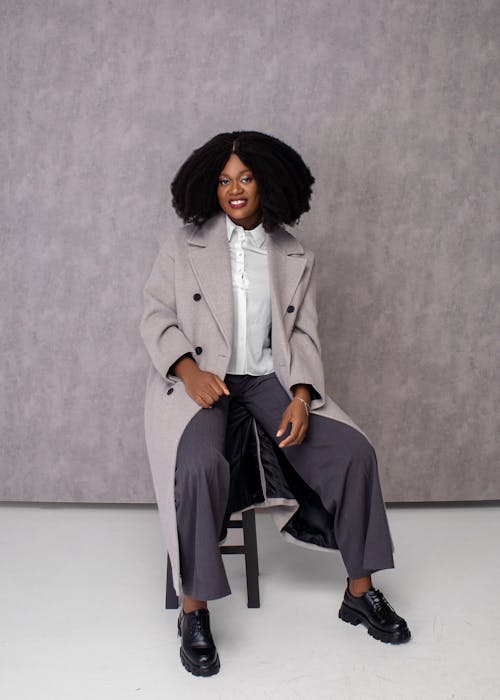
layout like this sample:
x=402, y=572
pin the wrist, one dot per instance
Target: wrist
x=305, y=403
x=184, y=367
x=302, y=391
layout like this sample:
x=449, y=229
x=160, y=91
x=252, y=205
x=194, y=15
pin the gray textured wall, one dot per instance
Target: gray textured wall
x=396, y=108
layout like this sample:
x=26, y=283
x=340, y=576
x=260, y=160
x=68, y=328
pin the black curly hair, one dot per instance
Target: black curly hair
x=284, y=180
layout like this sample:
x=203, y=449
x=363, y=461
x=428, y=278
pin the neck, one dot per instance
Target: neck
x=249, y=224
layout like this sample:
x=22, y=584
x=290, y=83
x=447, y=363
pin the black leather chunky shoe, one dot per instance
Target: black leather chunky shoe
x=198, y=652
x=374, y=612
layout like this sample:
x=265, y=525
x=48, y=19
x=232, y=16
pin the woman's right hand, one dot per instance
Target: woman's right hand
x=204, y=387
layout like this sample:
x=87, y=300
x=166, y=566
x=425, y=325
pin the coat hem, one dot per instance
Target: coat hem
x=308, y=545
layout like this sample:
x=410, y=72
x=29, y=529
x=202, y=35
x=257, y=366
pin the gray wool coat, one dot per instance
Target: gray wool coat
x=188, y=308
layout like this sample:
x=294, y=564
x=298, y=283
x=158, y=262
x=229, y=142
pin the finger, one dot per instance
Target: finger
x=300, y=436
x=293, y=435
x=219, y=387
x=285, y=442
x=210, y=391
x=202, y=402
x=222, y=385
x=283, y=425
x=207, y=398
x=197, y=399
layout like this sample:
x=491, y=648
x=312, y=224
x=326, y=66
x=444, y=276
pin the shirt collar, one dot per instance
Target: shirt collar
x=258, y=233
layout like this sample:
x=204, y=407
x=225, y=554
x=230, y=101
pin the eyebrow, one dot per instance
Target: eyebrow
x=246, y=170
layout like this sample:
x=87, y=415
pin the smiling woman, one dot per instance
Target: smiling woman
x=238, y=193
x=231, y=325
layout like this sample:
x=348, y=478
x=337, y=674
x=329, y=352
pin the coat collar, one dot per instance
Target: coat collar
x=210, y=258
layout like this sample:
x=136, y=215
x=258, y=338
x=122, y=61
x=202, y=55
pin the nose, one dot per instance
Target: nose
x=236, y=187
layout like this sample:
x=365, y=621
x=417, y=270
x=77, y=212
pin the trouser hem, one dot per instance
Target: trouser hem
x=200, y=595
x=361, y=573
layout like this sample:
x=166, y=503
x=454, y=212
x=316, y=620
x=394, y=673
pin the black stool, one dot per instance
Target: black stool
x=248, y=548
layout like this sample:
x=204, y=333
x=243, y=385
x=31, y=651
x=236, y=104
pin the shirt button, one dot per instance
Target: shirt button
x=291, y=309
x=198, y=350
x=197, y=296
x=169, y=391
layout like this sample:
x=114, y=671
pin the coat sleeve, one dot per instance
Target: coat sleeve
x=305, y=348
x=159, y=326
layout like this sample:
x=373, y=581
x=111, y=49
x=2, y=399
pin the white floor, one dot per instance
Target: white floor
x=82, y=612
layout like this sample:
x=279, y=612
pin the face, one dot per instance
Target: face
x=238, y=193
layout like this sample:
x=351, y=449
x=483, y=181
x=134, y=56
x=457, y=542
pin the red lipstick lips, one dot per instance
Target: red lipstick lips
x=237, y=203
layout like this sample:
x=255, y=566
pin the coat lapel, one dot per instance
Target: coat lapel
x=211, y=262
x=287, y=262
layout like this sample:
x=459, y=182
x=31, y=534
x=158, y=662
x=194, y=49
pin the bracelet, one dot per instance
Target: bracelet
x=304, y=402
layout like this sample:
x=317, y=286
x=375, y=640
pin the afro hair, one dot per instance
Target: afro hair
x=284, y=180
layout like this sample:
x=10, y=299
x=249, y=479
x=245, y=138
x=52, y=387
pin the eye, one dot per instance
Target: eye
x=246, y=179
x=223, y=181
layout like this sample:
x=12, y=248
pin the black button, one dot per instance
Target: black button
x=169, y=391
x=198, y=350
x=197, y=296
x=291, y=309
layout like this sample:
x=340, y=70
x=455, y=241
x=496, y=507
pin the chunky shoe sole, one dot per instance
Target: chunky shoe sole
x=353, y=617
x=196, y=669
x=199, y=670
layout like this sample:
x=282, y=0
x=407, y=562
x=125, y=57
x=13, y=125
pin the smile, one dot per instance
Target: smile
x=237, y=203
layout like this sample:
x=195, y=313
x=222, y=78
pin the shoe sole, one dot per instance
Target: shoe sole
x=353, y=617
x=197, y=670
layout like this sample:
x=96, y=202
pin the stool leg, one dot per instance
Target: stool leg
x=171, y=600
x=251, y=558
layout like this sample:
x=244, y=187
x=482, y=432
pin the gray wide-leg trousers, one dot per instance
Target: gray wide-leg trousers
x=334, y=459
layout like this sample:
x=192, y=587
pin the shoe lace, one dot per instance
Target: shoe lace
x=378, y=600
x=199, y=623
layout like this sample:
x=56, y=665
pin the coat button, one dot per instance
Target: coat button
x=291, y=309
x=197, y=296
x=198, y=350
x=169, y=391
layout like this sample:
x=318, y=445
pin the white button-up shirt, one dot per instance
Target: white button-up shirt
x=251, y=344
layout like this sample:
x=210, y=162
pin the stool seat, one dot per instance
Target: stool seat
x=248, y=548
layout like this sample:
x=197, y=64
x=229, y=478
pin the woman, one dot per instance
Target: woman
x=230, y=324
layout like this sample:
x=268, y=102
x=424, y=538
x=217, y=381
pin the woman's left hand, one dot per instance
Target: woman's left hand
x=296, y=414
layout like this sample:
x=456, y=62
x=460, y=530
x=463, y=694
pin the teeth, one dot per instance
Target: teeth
x=237, y=201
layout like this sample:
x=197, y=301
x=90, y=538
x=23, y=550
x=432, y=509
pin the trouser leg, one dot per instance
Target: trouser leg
x=201, y=495
x=340, y=464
